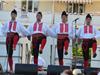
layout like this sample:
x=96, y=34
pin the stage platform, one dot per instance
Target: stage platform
x=39, y=73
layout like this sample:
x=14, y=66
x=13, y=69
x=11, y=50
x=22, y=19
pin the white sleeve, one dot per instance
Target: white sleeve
x=4, y=29
x=54, y=29
x=23, y=30
x=29, y=29
x=97, y=33
x=50, y=32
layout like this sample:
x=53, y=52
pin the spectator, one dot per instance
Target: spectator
x=94, y=73
x=1, y=70
x=77, y=72
x=67, y=72
x=98, y=73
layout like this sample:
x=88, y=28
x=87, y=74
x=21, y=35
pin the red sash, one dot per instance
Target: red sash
x=14, y=26
x=62, y=36
x=90, y=29
x=39, y=28
x=62, y=27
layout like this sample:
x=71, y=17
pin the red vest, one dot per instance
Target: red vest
x=88, y=29
x=62, y=27
x=14, y=26
x=39, y=27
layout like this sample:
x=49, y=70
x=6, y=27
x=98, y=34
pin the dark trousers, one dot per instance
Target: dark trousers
x=86, y=44
x=62, y=42
x=36, y=42
x=11, y=40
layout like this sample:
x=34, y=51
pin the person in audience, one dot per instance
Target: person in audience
x=66, y=72
x=77, y=72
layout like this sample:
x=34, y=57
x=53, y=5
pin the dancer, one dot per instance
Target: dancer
x=39, y=32
x=88, y=34
x=12, y=29
x=64, y=32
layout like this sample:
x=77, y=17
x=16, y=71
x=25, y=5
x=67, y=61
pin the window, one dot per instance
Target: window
x=23, y=7
x=36, y=4
x=81, y=8
x=29, y=6
x=26, y=6
x=75, y=8
x=1, y=5
x=70, y=8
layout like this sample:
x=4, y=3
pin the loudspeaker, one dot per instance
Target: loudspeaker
x=1, y=69
x=26, y=69
x=56, y=70
x=79, y=67
x=88, y=71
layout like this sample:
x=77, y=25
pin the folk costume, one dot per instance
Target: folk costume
x=12, y=29
x=39, y=32
x=88, y=34
x=63, y=32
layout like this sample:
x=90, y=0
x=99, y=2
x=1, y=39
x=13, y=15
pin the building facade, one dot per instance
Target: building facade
x=71, y=6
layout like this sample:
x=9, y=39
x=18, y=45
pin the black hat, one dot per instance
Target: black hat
x=40, y=13
x=14, y=11
x=64, y=13
x=88, y=16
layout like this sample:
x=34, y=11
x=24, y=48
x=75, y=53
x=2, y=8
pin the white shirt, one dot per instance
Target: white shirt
x=56, y=29
x=19, y=28
x=45, y=30
x=1, y=34
x=81, y=34
x=98, y=73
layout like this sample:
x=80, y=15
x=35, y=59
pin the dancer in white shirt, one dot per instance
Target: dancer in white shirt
x=63, y=32
x=39, y=32
x=12, y=29
x=88, y=34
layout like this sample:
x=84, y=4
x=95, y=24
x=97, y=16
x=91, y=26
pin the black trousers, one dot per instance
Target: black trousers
x=9, y=42
x=36, y=41
x=86, y=44
x=60, y=47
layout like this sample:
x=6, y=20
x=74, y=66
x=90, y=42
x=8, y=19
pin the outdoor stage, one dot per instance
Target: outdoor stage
x=31, y=69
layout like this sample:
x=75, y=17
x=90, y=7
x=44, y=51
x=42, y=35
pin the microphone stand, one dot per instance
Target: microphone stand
x=76, y=44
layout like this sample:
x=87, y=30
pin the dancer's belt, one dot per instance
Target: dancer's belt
x=62, y=36
x=38, y=35
x=11, y=34
x=88, y=39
